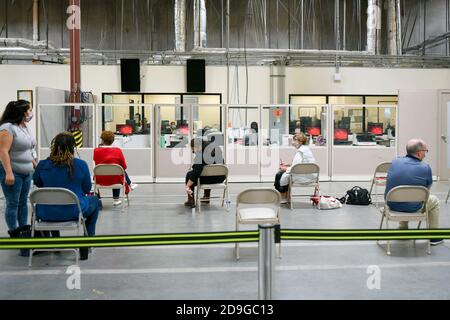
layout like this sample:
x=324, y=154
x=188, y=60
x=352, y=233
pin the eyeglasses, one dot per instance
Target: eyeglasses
x=426, y=150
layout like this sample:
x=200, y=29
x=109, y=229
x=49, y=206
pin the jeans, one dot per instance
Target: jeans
x=91, y=215
x=116, y=192
x=16, y=197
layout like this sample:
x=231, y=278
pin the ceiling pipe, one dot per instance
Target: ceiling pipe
x=35, y=20
x=199, y=24
x=180, y=25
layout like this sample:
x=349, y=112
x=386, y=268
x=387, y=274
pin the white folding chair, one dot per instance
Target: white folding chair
x=406, y=194
x=212, y=170
x=111, y=170
x=55, y=196
x=256, y=206
x=299, y=171
x=379, y=179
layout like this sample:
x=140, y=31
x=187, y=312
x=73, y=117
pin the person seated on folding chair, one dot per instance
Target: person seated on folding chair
x=302, y=155
x=62, y=170
x=205, y=154
x=107, y=154
x=411, y=170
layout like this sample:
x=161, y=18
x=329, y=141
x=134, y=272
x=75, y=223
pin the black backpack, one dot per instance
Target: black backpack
x=357, y=196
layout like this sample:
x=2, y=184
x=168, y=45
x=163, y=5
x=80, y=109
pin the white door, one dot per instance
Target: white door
x=444, y=135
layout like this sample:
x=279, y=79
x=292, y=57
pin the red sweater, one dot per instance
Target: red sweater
x=110, y=155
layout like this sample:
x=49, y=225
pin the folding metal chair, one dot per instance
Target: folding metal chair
x=301, y=170
x=212, y=170
x=55, y=196
x=111, y=170
x=379, y=178
x=406, y=194
x=255, y=206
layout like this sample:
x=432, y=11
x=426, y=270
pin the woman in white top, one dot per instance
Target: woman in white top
x=303, y=155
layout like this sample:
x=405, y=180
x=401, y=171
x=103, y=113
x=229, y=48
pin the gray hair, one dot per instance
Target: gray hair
x=414, y=145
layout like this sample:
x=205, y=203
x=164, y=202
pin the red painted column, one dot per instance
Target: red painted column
x=74, y=25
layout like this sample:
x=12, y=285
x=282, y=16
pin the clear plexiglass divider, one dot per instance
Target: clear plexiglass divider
x=254, y=138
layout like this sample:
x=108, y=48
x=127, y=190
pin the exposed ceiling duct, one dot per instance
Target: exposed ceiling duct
x=180, y=25
x=373, y=26
x=199, y=24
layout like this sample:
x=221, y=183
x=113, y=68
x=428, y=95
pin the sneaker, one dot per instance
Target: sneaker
x=133, y=186
x=435, y=242
x=117, y=203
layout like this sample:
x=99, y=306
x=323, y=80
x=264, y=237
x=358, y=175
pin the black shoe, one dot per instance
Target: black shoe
x=435, y=242
x=84, y=253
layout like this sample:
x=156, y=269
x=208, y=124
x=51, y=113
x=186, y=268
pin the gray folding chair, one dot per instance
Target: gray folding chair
x=55, y=196
x=379, y=179
x=256, y=206
x=406, y=194
x=111, y=170
x=210, y=171
x=303, y=170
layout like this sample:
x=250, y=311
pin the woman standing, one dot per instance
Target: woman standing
x=17, y=158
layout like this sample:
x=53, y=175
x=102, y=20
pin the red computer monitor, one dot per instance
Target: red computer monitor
x=340, y=135
x=375, y=128
x=124, y=129
x=313, y=131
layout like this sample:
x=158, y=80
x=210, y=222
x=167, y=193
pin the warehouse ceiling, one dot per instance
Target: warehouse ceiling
x=259, y=32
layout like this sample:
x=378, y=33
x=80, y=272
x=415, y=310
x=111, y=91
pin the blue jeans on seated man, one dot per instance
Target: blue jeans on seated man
x=16, y=196
x=90, y=214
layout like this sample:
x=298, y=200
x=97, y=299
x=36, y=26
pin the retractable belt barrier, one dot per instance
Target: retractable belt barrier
x=219, y=237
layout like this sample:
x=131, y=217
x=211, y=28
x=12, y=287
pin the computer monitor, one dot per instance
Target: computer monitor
x=345, y=123
x=340, y=135
x=124, y=129
x=304, y=123
x=131, y=123
x=375, y=128
x=313, y=131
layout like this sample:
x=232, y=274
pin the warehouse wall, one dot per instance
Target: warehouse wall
x=172, y=79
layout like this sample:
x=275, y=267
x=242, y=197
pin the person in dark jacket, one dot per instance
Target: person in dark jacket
x=205, y=153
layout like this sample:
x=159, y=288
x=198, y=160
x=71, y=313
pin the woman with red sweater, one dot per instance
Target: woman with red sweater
x=107, y=154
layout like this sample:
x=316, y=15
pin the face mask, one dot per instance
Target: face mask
x=29, y=117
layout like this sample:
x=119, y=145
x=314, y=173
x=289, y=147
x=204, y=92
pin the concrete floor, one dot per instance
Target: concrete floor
x=307, y=270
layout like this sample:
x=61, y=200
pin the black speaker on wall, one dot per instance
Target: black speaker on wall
x=130, y=75
x=195, y=75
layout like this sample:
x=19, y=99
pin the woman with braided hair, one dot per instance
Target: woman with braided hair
x=62, y=170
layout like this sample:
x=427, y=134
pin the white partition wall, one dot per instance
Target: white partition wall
x=77, y=118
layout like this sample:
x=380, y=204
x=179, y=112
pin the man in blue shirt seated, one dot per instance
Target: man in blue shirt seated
x=410, y=170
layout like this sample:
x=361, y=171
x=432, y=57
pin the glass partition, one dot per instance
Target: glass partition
x=363, y=136
x=364, y=125
x=242, y=142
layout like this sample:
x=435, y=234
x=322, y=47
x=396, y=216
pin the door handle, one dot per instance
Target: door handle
x=444, y=138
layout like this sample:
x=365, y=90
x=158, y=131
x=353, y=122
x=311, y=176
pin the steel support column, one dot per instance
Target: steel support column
x=74, y=25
